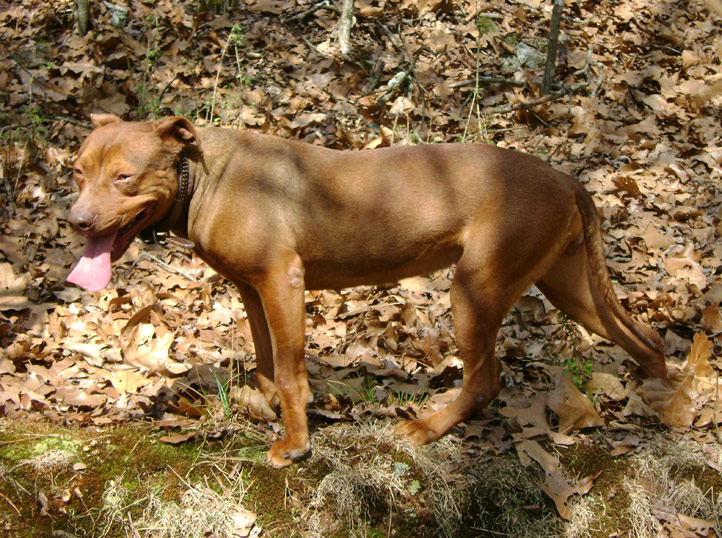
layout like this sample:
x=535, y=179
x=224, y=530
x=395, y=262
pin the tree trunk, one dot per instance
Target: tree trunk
x=83, y=16
x=553, y=47
x=344, y=27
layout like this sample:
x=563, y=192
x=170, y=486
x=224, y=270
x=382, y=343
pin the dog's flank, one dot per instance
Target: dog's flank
x=276, y=217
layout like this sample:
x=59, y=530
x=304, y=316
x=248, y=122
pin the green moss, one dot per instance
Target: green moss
x=610, y=498
x=129, y=456
x=269, y=497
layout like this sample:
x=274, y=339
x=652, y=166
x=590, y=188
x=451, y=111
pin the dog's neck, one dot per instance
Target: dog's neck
x=158, y=232
x=183, y=193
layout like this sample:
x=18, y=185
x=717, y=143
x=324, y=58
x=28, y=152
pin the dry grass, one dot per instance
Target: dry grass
x=371, y=471
x=665, y=473
x=200, y=512
x=583, y=519
x=51, y=460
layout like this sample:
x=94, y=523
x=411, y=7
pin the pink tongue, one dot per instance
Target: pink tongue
x=93, y=270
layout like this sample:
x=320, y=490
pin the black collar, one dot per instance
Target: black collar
x=159, y=232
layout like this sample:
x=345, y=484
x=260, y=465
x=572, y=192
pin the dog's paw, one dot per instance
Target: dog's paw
x=282, y=454
x=417, y=432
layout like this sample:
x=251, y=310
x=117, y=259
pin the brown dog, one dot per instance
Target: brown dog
x=276, y=217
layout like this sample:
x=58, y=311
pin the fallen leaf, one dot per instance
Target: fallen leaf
x=254, y=401
x=627, y=184
x=701, y=527
x=177, y=438
x=672, y=399
x=699, y=355
x=243, y=523
x=574, y=409
x=711, y=318
x=607, y=384
x=555, y=485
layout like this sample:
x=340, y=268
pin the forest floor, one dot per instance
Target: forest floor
x=131, y=412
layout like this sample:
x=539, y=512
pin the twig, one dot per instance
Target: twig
x=132, y=526
x=167, y=266
x=10, y=503
x=374, y=76
x=160, y=98
x=487, y=80
x=495, y=533
x=71, y=121
x=475, y=93
x=324, y=4
x=714, y=409
x=566, y=90
x=315, y=49
x=209, y=114
x=401, y=47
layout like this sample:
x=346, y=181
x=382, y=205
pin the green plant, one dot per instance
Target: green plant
x=365, y=393
x=236, y=39
x=486, y=25
x=401, y=397
x=149, y=100
x=219, y=6
x=223, y=394
x=580, y=369
x=575, y=365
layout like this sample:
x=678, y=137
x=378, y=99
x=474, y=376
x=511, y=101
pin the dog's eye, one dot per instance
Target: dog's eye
x=122, y=178
x=78, y=174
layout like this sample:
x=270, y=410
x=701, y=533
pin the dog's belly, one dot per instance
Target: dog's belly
x=367, y=269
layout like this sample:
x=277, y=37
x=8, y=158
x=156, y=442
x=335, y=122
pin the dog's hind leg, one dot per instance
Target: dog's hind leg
x=479, y=300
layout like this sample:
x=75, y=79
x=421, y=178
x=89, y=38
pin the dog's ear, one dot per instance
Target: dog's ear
x=98, y=120
x=176, y=132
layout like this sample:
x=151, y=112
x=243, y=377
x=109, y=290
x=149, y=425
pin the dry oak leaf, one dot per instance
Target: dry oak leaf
x=700, y=527
x=532, y=419
x=254, y=401
x=673, y=399
x=555, y=485
x=607, y=384
x=685, y=266
x=177, y=438
x=574, y=409
x=711, y=319
x=146, y=349
x=12, y=289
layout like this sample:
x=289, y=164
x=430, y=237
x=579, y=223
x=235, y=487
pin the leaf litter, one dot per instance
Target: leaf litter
x=170, y=339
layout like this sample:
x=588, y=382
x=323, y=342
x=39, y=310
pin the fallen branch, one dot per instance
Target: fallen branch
x=563, y=91
x=566, y=90
x=324, y=4
x=393, y=85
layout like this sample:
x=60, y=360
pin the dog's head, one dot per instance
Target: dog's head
x=128, y=179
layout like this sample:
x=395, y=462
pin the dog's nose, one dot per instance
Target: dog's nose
x=81, y=219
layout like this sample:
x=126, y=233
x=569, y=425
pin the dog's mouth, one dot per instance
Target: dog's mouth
x=93, y=271
x=127, y=233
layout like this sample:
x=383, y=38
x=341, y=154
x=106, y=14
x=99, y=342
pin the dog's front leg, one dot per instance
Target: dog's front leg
x=281, y=290
x=261, y=342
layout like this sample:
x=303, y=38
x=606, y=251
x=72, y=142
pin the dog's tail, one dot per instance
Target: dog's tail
x=595, y=252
